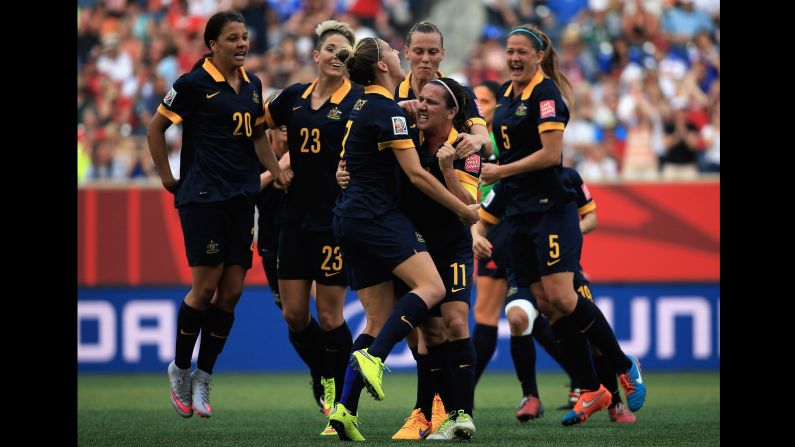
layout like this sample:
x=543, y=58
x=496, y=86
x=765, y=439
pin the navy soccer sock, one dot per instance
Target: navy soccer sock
x=523, y=353
x=336, y=354
x=462, y=354
x=409, y=311
x=215, y=331
x=574, y=347
x=309, y=346
x=485, y=338
x=590, y=321
x=189, y=321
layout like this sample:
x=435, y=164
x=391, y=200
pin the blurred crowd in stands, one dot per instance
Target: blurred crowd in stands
x=646, y=73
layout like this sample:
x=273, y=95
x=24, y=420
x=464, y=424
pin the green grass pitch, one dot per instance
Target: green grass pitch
x=681, y=409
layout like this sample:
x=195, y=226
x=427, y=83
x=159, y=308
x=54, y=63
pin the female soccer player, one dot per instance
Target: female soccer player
x=377, y=239
x=441, y=116
x=315, y=115
x=542, y=215
x=217, y=103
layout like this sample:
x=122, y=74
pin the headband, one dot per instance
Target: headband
x=522, y=30
x=377, y=47
x=439, y=81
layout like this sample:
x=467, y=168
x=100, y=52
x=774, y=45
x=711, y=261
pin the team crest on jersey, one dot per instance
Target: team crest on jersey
x=547, y=108
x=419, y=237
x=359, y=104
x=255, y=98
x=170, y=97
x=399, y=126
x=472, y=163
x=212, y=248
x=521, y=110
x=586, y=192
x=334, y=113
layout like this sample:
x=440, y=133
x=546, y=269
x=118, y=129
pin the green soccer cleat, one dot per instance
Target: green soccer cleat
x=458, y=426
x=346, y=424
x=329, y=430
x=328, y=395
x=371, y=369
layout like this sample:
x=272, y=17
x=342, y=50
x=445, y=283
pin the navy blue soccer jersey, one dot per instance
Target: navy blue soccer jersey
x=376, y=125
x=437, y=224
x=314, y=138
x=218, y=160
x=492, y=207
x=518, y=124
x=473, y=112
x=585, y=203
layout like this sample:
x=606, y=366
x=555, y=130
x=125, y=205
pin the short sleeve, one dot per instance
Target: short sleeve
x=585, y=203
x=493, y=205
x=180, y=102
x=474, y=112
x=276, y=112
x=552, y=111
x=393, y=129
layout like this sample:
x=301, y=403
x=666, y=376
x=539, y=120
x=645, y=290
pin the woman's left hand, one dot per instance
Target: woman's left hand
x=489, y=173
x=468, y=144
x=446, y=155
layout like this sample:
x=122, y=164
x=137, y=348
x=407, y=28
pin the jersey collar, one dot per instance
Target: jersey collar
x=450, y=137
x=338, y=94
x=210, y=68
x=405, y=86
x=375, y=88
x=537, y=78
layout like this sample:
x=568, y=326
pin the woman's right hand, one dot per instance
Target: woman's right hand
x=481, y=246
x=343, y=176
x=410, y=106
x=283, y=179
x=170, y=184
x=471, y=216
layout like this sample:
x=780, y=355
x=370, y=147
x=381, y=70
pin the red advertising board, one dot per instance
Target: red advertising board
x=648, y=232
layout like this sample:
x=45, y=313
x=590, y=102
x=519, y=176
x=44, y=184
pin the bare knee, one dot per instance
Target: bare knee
x=297, y=318
x=433, y=331
x=457, y=327
x=562, y=297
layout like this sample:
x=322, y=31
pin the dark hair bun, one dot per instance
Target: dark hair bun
x=343, y=55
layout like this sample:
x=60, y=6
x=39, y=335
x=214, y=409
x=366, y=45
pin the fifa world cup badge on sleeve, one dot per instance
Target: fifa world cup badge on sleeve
x=170, y=97
x=399, y=126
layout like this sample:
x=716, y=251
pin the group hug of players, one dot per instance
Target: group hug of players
x=371, y=179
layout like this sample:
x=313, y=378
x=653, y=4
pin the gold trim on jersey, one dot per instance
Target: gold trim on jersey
x=210, y=68
x=379, y=90
x=469, y=182
x=267, y=117
x=173, y=117
x=587, y=208
x=337, y=96
x=488, y=217
x=550, y=125
x=476, y=120
x=405, y=85
x=396, y=144
x=537, y=78
x=450, y=136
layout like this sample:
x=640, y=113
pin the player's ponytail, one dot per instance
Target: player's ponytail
x=360, y=60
